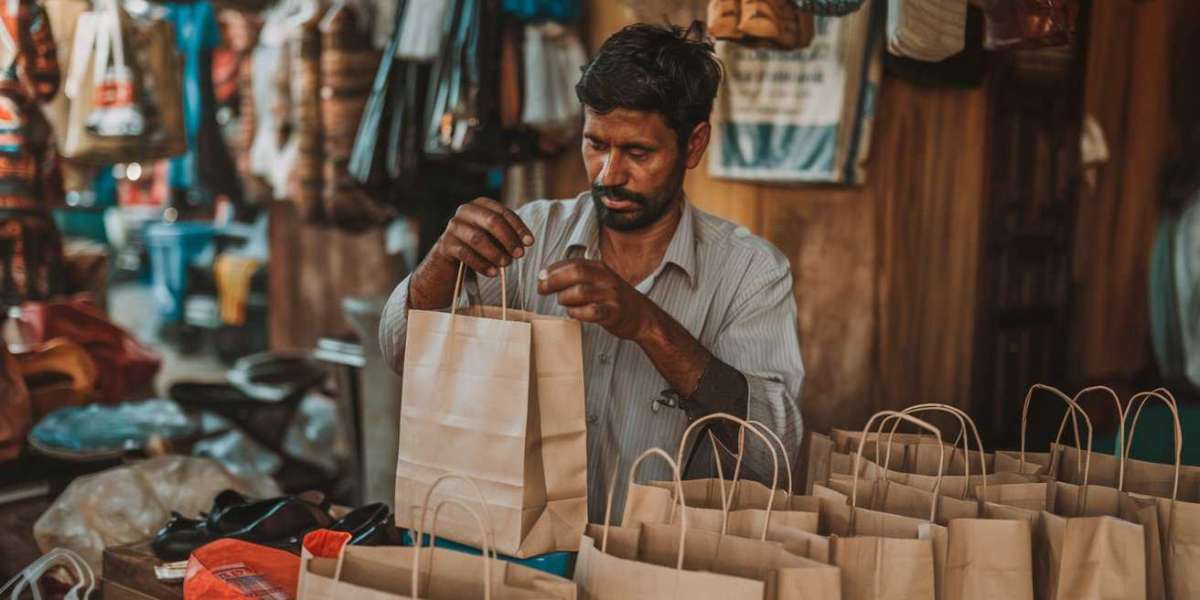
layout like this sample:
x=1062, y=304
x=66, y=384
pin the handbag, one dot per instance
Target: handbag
x=127, y=110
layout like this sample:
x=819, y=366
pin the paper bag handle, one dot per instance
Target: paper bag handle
x=637, y=462
x=1087, y=421
x=1071, y=408
x=745, y=425
x=937, y=486
x=787, y=461
x=1169, y=400
x=458, y=284
x=737, y=470
x=966, y=419
x=1071, y=414
x=895, y=423
x=489, y=552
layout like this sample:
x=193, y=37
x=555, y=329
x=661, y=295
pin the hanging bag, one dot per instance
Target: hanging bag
x=126, y=110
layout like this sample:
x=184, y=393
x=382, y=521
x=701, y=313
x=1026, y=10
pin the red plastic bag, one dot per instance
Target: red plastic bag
x=235, y=570
x=124, y=364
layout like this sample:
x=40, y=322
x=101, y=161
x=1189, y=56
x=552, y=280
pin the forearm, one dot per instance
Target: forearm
x=705, y=383
x=677, y=356
x=431, y=285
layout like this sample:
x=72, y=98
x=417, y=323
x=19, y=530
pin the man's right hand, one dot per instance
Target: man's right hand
x=483, y=235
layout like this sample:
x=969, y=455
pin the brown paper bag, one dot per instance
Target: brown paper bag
x=973, y=558
x=748, y=503
x=738, y=508
x=1170, y=523
x=675, y=561
x=1061, y=462
x=1104, y=468
x=1078, y=555
x=882, y=556
x=498, y=396
x=818, y=451
x=330, y=569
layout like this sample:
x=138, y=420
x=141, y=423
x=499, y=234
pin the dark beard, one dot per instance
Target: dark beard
x=652, y=207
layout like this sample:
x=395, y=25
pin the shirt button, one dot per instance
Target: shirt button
x=592, y=419
x=604, y=358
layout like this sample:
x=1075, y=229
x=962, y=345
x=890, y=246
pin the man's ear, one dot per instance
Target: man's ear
x=697, y=143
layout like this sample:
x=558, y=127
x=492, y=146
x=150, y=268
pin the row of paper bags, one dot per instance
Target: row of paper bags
x=1099, y=527
x=500, y=399
x=907, y=527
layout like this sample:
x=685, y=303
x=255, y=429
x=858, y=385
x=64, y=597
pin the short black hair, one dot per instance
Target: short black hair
x=654, y=68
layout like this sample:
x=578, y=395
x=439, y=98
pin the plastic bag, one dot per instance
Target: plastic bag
x=129, y=504
x=83, y=580
x=314, y=435
x=101, y=430
x=236, y=570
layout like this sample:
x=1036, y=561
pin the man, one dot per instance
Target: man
x=684, y=314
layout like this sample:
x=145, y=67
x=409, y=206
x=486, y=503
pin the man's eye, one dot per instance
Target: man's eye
x=596, y=145
x=638, y=154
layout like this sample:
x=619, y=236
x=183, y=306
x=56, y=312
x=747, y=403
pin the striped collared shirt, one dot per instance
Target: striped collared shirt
x=731, y=290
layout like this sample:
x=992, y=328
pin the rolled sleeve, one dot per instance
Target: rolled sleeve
x=761, y=342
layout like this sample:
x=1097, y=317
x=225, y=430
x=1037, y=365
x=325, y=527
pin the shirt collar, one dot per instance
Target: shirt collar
x=681, y=252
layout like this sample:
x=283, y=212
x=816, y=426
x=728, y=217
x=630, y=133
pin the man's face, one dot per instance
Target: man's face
x=635, y=164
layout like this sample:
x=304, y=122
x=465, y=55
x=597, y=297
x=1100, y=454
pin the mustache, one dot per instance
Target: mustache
x=619, y=193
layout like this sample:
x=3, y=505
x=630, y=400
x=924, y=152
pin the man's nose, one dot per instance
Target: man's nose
x=613, y=173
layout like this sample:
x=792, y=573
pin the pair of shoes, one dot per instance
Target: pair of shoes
x=370, y=525
x=777, y=22
x=266, y=522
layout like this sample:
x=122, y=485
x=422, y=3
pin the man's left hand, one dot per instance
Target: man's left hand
x=594, y=293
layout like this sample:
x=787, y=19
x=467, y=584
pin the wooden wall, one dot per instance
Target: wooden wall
x=312, y=269
x=885, y=274
x=1128, y=91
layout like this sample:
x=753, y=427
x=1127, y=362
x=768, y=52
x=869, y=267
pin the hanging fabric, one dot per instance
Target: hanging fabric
x=348, y=67
x=31, y=255
x=271, y=158
x=303, y=70
x=463, y=90
x=561, y=11
x=367, y=158
x=800, y=116
x=832, y=8
x=928, y=30
x=423, y=29
x=967, y=69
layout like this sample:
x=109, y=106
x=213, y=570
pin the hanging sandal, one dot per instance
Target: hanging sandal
x=723, y=17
